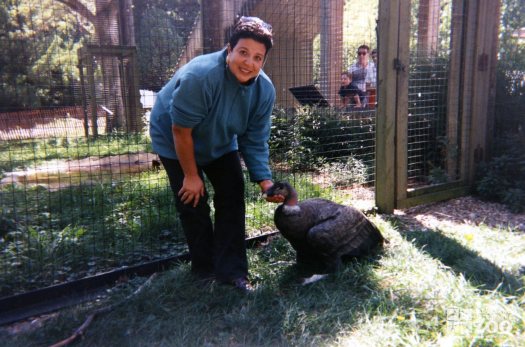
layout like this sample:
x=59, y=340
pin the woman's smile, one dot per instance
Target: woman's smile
x=246, y=59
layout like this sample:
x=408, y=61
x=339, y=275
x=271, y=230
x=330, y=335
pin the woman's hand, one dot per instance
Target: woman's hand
x=265, y=185
x=192, y=190
x=192, y=185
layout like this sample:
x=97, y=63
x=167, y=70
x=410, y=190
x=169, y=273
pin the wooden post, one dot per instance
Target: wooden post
x=331, y=48
x=131, y=93
x=81, y=62
x=428, y=27
x=454, y=84
x=386, y=112
x=212, y=28
x=493, y=37
x=468, y=48
x=403, y=56
x=482, y=26
x=92, y=93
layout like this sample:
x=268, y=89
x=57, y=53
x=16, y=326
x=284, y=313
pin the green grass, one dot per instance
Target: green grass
x=56, y=236
x=453, y=286
x=427, y=288
x=31, y=152
x=57, y=225
x=51, y=236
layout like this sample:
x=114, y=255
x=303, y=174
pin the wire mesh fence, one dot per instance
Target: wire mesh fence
x=82, y=191
x=427, y=92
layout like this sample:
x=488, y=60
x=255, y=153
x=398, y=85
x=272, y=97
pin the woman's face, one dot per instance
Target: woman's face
x=246, y=59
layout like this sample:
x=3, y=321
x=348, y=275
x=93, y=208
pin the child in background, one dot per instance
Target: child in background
x=351, y=95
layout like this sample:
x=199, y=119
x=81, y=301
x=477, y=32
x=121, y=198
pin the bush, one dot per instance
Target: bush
x=291, y=142
x=345, y=174
x=308, y=138
x=502, y=179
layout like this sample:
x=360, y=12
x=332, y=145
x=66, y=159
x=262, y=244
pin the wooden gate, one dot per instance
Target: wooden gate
x=436, y=79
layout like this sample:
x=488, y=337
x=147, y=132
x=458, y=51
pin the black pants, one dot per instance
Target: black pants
x=215, y=248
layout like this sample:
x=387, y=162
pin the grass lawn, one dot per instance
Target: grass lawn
x=429, y=287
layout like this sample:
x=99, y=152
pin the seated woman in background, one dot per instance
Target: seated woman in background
x=351, y=95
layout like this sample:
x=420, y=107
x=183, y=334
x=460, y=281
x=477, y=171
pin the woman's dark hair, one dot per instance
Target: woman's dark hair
x=252, y=28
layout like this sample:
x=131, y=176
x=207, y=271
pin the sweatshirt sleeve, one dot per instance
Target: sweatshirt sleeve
x=190, y=101
x=253, y=144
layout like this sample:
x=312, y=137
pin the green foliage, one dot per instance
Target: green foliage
x=427, y=141
x=510, y=73
x=162, y=30
x=503, y=177
x=29, y=153
x=437, y=176
x=310, y=137
x=40, y=39
x=38, y=61
x=345, y=174
x=292, y=138
x=81, y=230
x=90, y=222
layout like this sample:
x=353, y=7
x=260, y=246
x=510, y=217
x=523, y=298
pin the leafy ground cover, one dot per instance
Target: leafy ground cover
x=441, y=281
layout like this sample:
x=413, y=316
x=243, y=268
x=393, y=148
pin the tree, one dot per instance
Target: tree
x=111, y=21
x=510, y=86
x=36, y=64
x=162, y=30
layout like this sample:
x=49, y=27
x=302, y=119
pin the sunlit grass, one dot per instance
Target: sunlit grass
x=31, y=152
x=459, y=285
x=413, y=294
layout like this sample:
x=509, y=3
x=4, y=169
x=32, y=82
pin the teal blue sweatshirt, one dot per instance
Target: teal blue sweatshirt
x=224, y=114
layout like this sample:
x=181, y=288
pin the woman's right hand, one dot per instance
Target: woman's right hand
x=192, y=190
x=265, y=185
x=192, y=185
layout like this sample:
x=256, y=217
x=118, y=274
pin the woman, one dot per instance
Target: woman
x=214, y=107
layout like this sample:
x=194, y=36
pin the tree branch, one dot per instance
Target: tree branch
x=82, y=329
x=81, y=9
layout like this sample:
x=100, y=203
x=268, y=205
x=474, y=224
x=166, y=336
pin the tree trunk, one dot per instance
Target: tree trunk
x=107, y=34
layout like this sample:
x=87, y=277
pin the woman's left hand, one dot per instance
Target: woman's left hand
x=265, y=185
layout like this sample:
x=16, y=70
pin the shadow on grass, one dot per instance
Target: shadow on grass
x=317, y=313
x=478, y=270
x=177, y=310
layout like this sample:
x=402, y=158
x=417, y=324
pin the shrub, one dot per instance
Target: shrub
x=502, y=179
x=345, y=174
x=307, y=138
x=291, y=140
